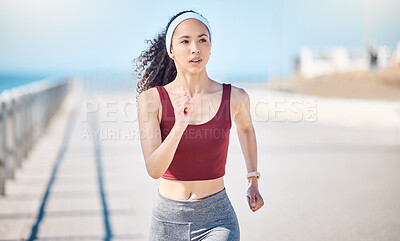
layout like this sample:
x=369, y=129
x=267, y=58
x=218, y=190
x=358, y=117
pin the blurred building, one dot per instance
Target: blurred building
x=329, y=60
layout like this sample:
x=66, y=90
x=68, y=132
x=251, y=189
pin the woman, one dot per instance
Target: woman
x=184, y=132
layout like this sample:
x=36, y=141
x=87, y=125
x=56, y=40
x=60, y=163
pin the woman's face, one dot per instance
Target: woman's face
x=190, y=42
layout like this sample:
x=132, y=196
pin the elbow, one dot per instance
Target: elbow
x=154, y=176
x=153, y=167
x=249, y=129
x=152, y=173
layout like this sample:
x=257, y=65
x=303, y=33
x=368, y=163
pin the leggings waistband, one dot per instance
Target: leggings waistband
x=199, y=209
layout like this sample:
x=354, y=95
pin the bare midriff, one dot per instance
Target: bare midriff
x=190, y=190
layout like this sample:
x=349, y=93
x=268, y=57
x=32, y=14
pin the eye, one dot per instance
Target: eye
x=184, y=41
x=205, y=40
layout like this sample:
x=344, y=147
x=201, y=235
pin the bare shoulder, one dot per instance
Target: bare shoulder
x=149, y=100
x=238, y=96
x=148, y=94
x=239, y=99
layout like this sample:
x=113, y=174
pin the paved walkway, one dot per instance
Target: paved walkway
x=86, y=180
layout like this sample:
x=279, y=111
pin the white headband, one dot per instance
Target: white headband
x=177, y=21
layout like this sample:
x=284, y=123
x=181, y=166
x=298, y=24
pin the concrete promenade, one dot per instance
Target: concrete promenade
x=321, y=180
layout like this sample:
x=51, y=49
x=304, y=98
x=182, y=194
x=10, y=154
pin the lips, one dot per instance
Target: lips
x=196, y=60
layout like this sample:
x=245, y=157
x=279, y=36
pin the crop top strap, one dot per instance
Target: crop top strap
x=167, y=109
x=161, y=92
x=226, y=101
x=227, y=93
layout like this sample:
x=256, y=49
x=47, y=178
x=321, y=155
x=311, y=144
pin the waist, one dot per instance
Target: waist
x=210, y=209
x=189, y=190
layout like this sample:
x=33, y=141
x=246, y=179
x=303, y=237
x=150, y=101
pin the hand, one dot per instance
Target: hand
x=182, y=109
x=254, y=198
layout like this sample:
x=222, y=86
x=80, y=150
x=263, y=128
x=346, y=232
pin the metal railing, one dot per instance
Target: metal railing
x=25, y=112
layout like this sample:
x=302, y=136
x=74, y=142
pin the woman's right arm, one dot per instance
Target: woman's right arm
x=157, y=154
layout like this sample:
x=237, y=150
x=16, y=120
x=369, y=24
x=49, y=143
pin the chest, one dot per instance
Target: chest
x=203, y=109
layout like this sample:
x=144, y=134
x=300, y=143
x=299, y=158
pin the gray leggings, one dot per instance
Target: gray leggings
x=210, y=218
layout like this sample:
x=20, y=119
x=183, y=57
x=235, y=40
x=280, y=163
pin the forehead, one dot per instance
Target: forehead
x=191, y=26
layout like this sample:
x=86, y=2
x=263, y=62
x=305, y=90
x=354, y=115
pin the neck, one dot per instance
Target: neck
x=193, y=84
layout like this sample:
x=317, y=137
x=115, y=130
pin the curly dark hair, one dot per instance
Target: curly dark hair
x=154, y=67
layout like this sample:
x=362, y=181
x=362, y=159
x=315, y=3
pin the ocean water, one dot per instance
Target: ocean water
x=108, y=81
x=11, y=81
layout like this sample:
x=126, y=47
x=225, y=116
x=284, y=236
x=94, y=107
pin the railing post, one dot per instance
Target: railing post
x=24, y=130
x=15, y=129
x=9, y=148
x=29, y=122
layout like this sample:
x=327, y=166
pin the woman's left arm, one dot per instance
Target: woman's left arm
x=248, y=143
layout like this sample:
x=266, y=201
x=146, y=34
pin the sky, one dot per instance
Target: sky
x=254, y=40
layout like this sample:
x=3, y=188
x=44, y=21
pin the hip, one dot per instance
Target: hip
x=210, y=216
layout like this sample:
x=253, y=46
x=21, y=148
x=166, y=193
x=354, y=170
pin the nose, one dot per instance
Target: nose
x=195, y=49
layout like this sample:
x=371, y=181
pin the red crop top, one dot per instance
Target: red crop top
x=203, y=148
